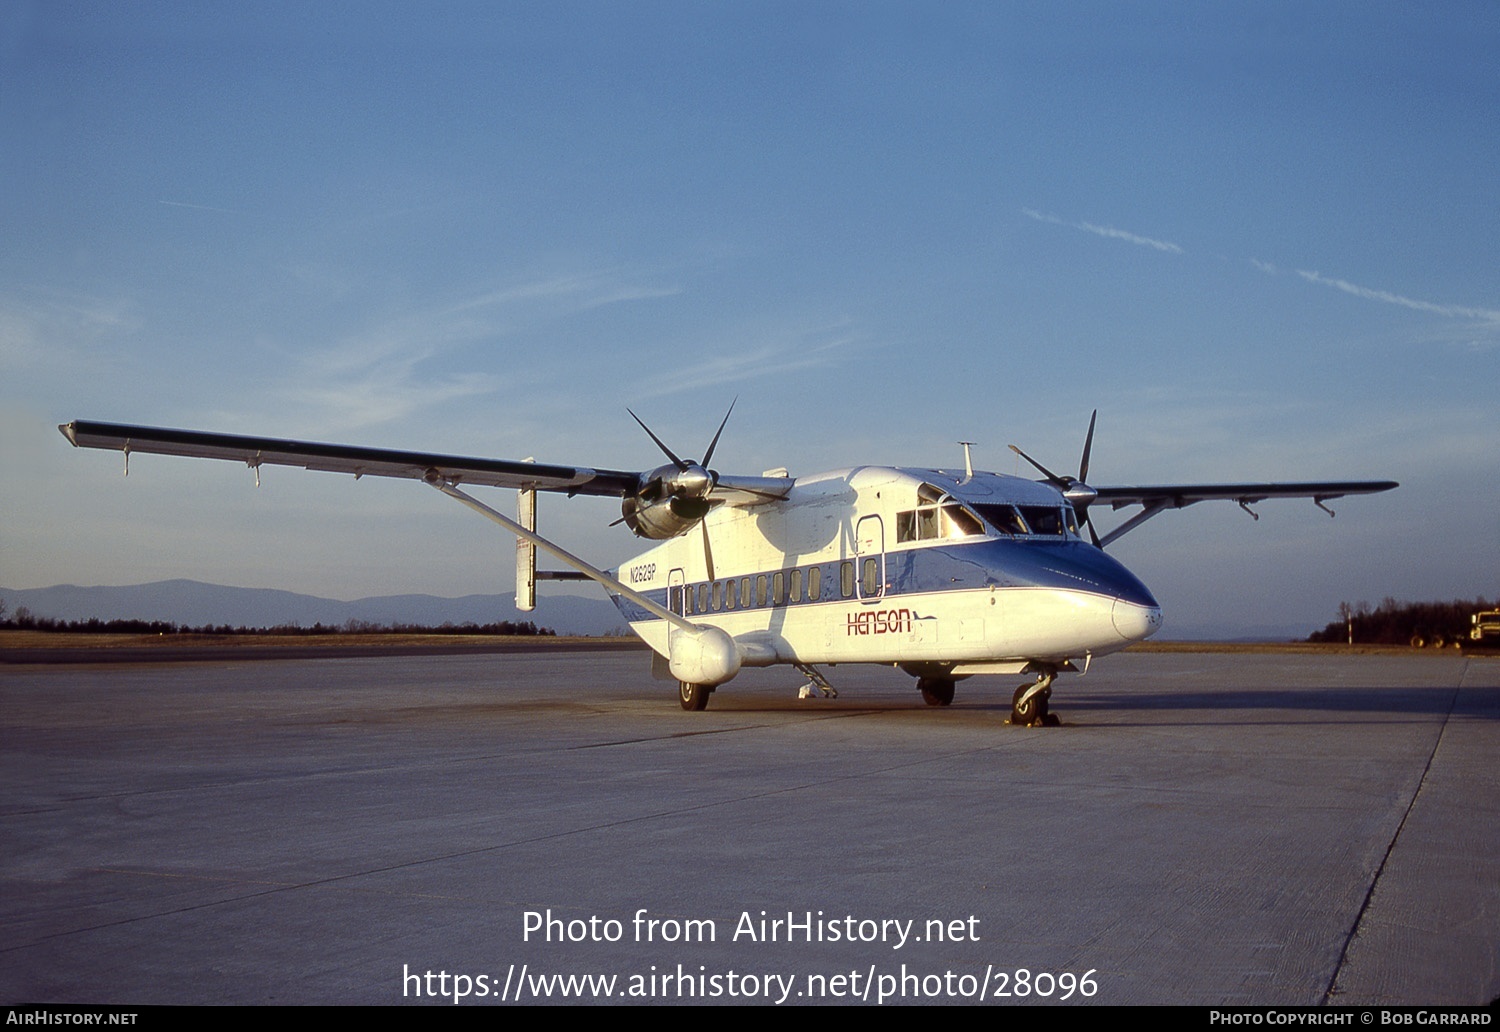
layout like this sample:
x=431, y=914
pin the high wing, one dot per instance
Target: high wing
x=1156, y=498
x=255, y=452
x=658, y=503
x=337, y=458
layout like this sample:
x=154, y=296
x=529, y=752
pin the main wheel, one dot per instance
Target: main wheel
x=1029, y=711
x=693, y=697
x=936, y=691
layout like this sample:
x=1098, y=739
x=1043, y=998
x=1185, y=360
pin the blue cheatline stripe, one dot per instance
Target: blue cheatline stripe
x=1023, y=563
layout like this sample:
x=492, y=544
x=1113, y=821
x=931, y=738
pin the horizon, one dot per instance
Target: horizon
x=1188, y=633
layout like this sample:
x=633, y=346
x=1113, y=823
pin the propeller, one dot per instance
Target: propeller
x=691, y=481
x=1074, y=489
x=672, y=498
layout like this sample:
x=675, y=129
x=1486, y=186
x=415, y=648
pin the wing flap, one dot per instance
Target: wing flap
x=337, y=458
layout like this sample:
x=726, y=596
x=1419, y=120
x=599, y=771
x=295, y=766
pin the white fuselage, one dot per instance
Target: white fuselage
x=927, y=569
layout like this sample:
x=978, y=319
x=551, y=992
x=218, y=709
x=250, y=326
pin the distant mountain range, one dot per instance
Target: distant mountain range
x=193, y=604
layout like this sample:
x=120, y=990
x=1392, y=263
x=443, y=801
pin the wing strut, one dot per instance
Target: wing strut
x=592, y=572
x=1150, y=510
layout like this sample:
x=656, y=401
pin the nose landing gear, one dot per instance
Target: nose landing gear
x=1028, y=707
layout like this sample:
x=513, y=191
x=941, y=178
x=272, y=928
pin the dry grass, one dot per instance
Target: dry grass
x=74, y=640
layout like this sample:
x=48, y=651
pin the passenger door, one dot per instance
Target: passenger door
x=869, y=556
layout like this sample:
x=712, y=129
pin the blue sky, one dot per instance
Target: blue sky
x=1262, y=239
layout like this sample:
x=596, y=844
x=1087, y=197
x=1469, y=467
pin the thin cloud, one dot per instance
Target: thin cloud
x=385, y=375
x=632, y=294
x=770, y=360
x=1489, y=315
x=588, y=291
x=200, y=207
x=388, y=393
x=389, y=373
x=46, y=330
x=1109, y=232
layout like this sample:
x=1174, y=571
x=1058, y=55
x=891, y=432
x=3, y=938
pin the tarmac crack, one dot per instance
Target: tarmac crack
x=1390, y=848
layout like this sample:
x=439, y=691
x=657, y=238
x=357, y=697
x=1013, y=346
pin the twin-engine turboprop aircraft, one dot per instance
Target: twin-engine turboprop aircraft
x=943, y=573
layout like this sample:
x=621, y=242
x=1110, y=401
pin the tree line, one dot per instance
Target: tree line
x=1400, y=623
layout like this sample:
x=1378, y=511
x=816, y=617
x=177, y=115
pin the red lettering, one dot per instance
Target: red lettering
x=879, y=621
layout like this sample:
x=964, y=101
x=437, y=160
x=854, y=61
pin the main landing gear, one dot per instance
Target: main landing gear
x=693, y=697
x=1028, y=707
x=936, y=691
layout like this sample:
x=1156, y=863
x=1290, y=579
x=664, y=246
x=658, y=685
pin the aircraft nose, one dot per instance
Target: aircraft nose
x=1133, y=621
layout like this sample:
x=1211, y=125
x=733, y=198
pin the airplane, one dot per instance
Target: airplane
x=944, y=573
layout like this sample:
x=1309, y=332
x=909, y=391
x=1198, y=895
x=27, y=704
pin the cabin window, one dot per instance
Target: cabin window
x=795, y=587
x=869, y=581
x=744, y=592
x=717, y=596
x=760, y=589
x=778, y=588
x=846, y=578
x=814, y=582
x=927, y=524
x=674, y=599
x=729, y=594
x=906, y=526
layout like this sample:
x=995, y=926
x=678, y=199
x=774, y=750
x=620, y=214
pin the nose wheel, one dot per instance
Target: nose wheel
x=1028, y=706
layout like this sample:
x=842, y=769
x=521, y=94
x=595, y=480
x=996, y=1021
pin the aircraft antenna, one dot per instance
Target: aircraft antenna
x=968, y=462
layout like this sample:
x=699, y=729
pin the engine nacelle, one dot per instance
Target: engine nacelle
x=664, y=519
x=670, y=501
x=707, y=656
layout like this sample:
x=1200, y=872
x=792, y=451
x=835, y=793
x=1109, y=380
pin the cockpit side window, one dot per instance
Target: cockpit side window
x=1003, y=518
x=960, y=522
x=1043, y=519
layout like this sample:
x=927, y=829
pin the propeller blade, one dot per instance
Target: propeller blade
x=668, y=451
x=1053, y=477
x=1088, y=446
x=708, y=552
x=709, y=455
